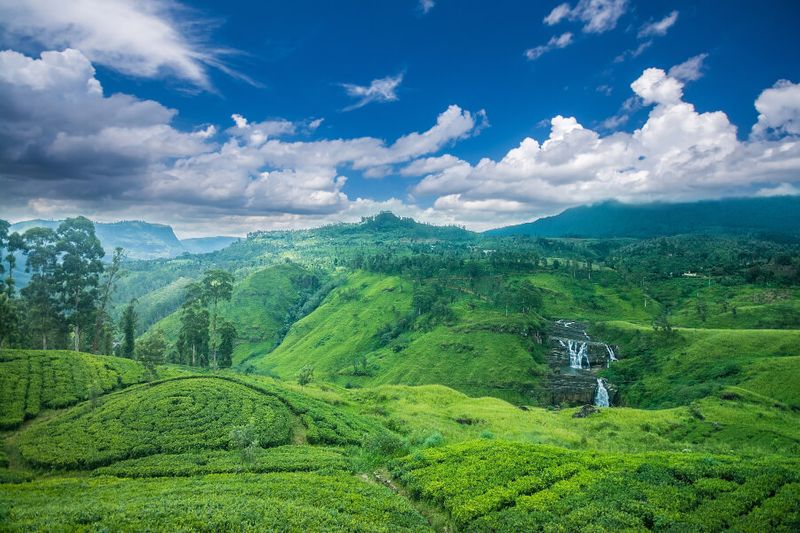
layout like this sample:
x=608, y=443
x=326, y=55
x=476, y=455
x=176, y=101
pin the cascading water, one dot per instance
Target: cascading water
x=611, y=355
x=601, y=397
x=577, y=354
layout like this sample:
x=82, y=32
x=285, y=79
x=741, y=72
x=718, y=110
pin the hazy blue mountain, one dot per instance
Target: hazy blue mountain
x=141, y=240
x=776, y=215
x=204, y=245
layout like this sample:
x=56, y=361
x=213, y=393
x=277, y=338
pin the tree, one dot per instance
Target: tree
x=101, y=323
x=217, y=285
x=227, y=336
x=78, y=274
x=150, y=351
x=305, y=376
x=193, y=339
x=9, y=318
x=14, y=243
x=44, y=320
x=128, y=326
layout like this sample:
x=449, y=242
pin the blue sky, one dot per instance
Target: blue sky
x=322, y=90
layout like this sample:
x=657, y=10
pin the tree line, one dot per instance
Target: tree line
x=66, y=302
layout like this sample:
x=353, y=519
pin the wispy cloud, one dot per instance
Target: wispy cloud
x=379, y=90
x=689, y=70
x=658, y=28
x=426, y=5
x=598, y=16
x=560, y=41
x=143, y=38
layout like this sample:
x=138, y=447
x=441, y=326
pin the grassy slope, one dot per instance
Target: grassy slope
x=660, y=370
x=257, y=308
x=482, y=352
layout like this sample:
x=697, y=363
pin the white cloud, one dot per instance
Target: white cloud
x=778, y=110
x=782, y=189
x=379, y=90
x=659, y=27
x=139, y=38
x=689, y=70
x=678, y=154
x=555, y=42
x=597, y=16
x=426, y=5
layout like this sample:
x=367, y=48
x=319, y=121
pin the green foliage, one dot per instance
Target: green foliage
x=301, y=501
x=128, y=327
x=32, y=380
x=172, y=416
x=306, y=375
x=227, y=336
x=500, y=486
x=151, y=352
x=279, y=459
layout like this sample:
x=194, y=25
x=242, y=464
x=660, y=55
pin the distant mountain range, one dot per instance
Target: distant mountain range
x=141, y=240
x=775, y=215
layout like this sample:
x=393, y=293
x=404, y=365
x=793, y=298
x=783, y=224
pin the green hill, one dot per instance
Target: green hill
x=777, y=215
x=352, y=338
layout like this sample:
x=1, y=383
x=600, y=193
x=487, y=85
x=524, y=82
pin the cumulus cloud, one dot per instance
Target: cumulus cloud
x=659, y=27
x=379, y=90
x=778, y=110
x=678, y=154
x=140, y=38
x=555, y=42
x=63, y=140
x=597, y=16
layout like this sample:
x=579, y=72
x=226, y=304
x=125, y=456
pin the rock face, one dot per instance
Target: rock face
x=574, y=359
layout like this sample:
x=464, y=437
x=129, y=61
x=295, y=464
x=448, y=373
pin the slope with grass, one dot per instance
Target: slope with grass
x=352, y=339
x=666, y=369
x=32, y=380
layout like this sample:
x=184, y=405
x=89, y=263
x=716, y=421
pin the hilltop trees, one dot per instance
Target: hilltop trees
x=67, y=288
x=78, y=275
x=216, y=285
x=193, y=339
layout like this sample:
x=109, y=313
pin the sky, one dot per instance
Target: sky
x=221, y=118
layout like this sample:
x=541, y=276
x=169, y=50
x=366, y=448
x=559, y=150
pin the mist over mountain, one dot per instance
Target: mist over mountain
x=775, y=215
x=140, y=239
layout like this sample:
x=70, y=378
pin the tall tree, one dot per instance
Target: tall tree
x=128, y=326
x=151, y=352
x=227, y=336
x=113, y=273
x=193, y=339
x=13, y=243
x=217, y=285
x=79, y=272
x=44, y=316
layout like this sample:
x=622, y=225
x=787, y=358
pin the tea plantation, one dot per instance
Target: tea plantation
x=502, y=486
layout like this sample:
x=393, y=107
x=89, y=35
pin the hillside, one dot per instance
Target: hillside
x=777, y=215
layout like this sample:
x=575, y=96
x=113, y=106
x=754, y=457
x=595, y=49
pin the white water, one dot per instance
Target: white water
x=611, y=355
x=601, y=398
x=577, y=353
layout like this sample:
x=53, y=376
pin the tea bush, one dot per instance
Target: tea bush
x=504, y=486
x=31, y=380
x=279, y=459
x=173, y=416
x=300, y=501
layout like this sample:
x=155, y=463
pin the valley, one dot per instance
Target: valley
x=389, y=375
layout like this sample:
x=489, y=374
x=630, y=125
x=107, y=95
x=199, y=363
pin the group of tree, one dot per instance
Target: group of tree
x=66, y=301
x=204, y=339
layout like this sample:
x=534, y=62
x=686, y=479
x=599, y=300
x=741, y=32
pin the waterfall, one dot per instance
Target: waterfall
x=577, y=353
x=611, y=355
x=601, y=398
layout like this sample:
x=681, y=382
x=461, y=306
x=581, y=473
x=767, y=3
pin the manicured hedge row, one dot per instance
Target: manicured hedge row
x=172, y=416
x=217, y=502
x=325, y=424
x=504, y=486
x=31, y=380
x=279, y=459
